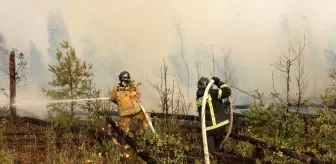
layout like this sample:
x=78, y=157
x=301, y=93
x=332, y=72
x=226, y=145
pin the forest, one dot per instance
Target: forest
x=291, y=129
x=272, y=133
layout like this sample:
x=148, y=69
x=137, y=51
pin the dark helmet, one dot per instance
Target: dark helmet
x=125, y=76
x=202, y=83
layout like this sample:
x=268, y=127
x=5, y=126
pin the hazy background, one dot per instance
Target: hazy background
x=137, y=35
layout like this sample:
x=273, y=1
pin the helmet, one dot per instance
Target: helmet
x=202, y=83
x=125, y=76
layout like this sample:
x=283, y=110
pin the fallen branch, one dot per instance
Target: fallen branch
x=146, y=157
x=289, y=152
x=132, y=143
x=186, y=117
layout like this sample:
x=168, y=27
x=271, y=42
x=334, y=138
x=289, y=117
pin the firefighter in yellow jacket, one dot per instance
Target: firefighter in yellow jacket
x=127, y=96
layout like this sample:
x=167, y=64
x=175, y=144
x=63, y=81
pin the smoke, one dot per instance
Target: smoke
x=31, y=102
x=136, y=35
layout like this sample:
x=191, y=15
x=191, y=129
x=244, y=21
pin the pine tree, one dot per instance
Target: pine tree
x=72, y=79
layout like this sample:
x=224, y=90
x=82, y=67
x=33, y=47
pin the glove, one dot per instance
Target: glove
x=217, y=80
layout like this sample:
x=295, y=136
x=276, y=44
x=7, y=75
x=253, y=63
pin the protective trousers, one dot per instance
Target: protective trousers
x=213, y=143
x=125, y=122
x=214, y=138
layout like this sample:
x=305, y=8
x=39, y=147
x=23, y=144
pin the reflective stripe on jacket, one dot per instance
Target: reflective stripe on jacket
x=215, y=109
x=212, y=113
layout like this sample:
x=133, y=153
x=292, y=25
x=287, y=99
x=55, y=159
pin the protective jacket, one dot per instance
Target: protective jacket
x=127, y=98
x=215, y=110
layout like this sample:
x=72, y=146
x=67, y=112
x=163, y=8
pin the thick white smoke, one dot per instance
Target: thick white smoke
x=135, y=35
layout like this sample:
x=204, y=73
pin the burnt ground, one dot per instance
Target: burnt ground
x=28, y=141
x=24, y=139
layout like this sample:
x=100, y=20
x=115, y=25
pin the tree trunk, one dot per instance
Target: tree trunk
x=299, y=101
x=71, y=85
x=12, y=92
x=288, y=81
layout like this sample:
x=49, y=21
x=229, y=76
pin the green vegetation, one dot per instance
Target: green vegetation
x=72, y=79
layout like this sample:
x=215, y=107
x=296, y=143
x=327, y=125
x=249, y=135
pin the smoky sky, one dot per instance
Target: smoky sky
x=137, y=35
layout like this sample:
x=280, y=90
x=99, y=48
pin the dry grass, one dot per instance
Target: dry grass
x=29, y=143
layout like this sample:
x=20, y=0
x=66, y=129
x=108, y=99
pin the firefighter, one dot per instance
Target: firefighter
x=127, y=96
x=215, y=110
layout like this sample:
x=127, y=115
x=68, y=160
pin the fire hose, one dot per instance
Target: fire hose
x=231, y=115
x=204, y=136
x=148, y=119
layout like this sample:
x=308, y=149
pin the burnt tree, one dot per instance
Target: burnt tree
x=285, y=66
x=12, y=83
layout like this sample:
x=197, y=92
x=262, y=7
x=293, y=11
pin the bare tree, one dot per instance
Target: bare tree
x=171, y=96
x=224, y=69
x=275, y=93
x=181, y=104
x=22, y=71
x=17, y=72
x=227, y=70
x=287, y=60
x=301, y=77
x=162, y=88
x=177, y=26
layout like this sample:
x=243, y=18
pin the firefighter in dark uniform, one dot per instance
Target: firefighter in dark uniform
x=215, y=110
